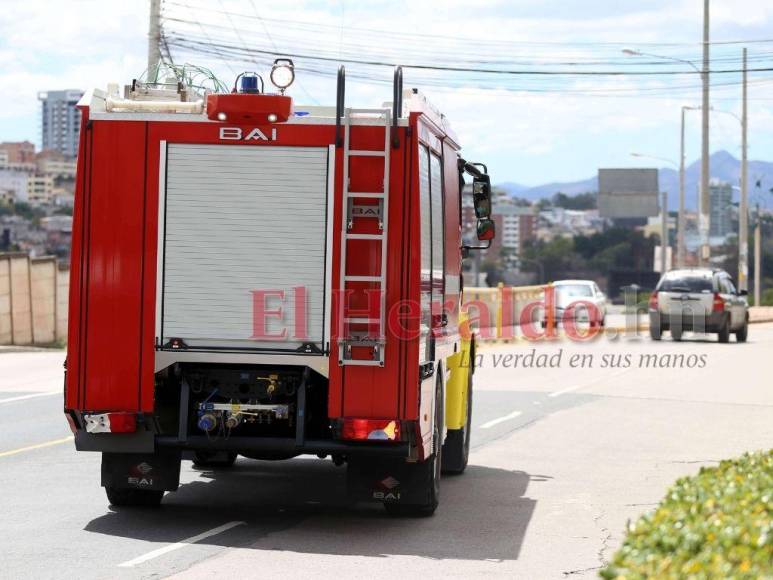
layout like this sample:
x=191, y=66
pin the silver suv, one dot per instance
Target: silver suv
x=698, y=300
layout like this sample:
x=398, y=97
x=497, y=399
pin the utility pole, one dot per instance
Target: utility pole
x=743, y=218
x=757, y=257
x=680, y=251
x=154, y=40
x=705, y=199
x=664, y=235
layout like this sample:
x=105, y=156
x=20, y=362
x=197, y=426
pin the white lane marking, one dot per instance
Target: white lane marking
x=566, y=390
x=498, y=420
x=178, y=545
x=30, y=396
x=588, y=384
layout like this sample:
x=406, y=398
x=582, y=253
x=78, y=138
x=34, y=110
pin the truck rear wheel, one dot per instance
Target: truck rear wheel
x=134, y=497
x=456, y=449
x=214, y=458
x=427, y=473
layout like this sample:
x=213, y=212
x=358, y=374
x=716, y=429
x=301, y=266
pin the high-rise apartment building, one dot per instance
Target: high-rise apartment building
x=61, y=121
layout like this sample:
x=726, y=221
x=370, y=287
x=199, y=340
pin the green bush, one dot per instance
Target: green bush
x=717, y=524
x=766, y=298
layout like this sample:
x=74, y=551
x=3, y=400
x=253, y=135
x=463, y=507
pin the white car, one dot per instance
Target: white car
x=592, y=302
x=698, y=300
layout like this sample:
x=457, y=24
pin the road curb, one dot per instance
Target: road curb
x=616, y=330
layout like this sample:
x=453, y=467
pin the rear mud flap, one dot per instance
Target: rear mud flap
x=148, y=471
x=388, y=481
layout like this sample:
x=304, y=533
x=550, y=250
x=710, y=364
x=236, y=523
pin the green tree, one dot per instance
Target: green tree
x=582, y=201
x=557, y=257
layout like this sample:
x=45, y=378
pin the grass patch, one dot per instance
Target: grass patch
x=717, y=524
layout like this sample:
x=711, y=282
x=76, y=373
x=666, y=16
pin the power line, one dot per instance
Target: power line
x=192, y=43
x=204, y=32
x=480, y=42
x=669, y=91
x=432, y=52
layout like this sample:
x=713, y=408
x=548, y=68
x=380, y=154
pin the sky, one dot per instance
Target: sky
x=528, y=129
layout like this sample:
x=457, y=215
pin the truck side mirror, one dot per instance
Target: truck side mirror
x=481, y=196
x=486, y=229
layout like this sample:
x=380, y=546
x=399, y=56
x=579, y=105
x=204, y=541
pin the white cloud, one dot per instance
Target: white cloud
x=85, y=43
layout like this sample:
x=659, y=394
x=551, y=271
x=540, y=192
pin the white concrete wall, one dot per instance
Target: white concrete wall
x=5, y=302
x=43, y=273
x=62, y=300
x=33, y=300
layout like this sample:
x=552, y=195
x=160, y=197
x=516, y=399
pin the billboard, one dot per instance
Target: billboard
x=628, y=193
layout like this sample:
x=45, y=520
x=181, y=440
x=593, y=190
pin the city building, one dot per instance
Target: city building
x=515, y=223
x=64, y=168
x=721, y=200
x=17, y=155
x=560, y=222
x=63, y=197
x=40, y=189
x=16, y=182
x=7, y=196
x=61, y=121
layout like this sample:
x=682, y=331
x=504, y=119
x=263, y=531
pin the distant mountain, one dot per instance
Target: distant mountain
x=723, y=166
x=514, y=189
x=550, y=189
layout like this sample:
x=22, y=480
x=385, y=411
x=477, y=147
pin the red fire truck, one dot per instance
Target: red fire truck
x=257, y=278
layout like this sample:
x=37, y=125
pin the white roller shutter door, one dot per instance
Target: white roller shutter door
x=240, y=219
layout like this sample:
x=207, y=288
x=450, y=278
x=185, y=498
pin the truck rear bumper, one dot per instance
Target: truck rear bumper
x=284, y=445
x=148, y=442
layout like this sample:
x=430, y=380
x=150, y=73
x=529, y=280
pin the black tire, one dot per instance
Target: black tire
x=676, y=334
x=134, y=497
x=723, y=334
x=456, y=449
x=743, y=333
x=655, y=332
x=428, y=471
x=221, y=459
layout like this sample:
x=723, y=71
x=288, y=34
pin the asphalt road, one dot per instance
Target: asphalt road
x=562, y=458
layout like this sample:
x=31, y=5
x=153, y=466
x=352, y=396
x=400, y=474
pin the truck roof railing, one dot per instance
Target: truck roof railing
x=340, y=95
x=397, y=103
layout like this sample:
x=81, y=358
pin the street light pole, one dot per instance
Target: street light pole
x=704, y=155
x=705, y=199
x=680, y=249
x=757, y=258
x=664, y=235
x=743, y=218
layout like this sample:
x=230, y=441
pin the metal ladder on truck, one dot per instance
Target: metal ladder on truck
x=370, y=337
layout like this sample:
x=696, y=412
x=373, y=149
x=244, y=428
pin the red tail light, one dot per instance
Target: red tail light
x=122, y=422
x=719, y=304
x=370, y=430
x=654, y=301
